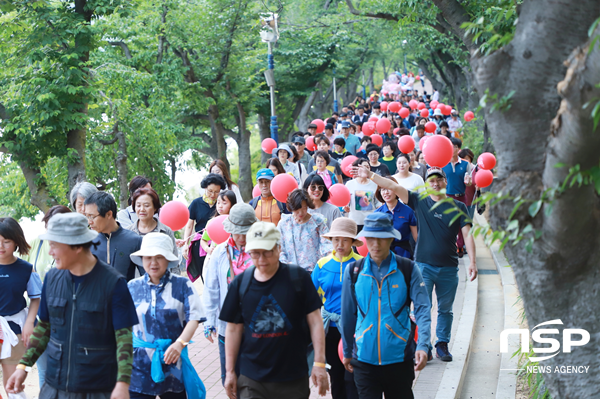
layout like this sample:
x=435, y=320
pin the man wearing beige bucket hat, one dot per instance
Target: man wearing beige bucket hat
x=327, y=278
x=228, y=260
x=82, y=294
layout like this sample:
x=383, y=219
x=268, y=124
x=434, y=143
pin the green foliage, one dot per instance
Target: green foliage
x=495, y=26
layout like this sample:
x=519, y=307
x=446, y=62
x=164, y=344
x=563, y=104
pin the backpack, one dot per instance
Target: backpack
x=406, y=267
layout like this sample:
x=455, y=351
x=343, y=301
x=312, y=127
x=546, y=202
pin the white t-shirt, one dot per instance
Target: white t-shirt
x=411, y=182
x=362, y=200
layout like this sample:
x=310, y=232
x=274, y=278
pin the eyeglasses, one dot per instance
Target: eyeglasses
x=256, y=255
x=314, y=187
x=210, y=192
x=91, y=218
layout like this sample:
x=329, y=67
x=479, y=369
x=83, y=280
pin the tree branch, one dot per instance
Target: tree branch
x=379, y=15
x=455, y=15
x=124, y=47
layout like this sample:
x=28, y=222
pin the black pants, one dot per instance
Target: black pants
x=342, y=382
x=393, y=380
x=166, y=395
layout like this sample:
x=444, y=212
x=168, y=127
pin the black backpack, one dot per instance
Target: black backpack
x=406, y=267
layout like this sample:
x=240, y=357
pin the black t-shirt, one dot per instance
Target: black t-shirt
x=201, y=212
x=276, y=335
x=436, y=242
x=380, y=170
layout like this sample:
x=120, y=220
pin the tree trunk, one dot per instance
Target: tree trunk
x=122, y=170
x=244, y=155
x=303, y=119
x=265, y=132
x=76, y=162
x=38, y=188
x=559, y=278
x=428, y=72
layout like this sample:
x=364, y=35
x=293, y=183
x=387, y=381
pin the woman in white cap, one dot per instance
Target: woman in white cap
x=169, y=311
x=285, y=154
x=228, y=260
x=327, y=278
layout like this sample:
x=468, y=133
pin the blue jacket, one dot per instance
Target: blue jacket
x=374, y=322
x=327, y=278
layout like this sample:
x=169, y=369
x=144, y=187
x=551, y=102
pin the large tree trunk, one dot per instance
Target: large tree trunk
x=559, y=279
x=76, y=162
x=122, y=169
x=264, y=130
x=38, y=188
x=303, y=119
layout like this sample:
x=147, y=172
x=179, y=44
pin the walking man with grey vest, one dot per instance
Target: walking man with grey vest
x=86, y=318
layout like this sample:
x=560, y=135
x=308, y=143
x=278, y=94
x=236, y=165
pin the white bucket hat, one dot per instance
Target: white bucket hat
x=154, y=244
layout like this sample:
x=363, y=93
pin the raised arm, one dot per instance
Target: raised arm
x=384, y=183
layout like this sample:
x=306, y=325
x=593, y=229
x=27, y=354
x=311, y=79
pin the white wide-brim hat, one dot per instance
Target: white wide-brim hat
x=154, y=244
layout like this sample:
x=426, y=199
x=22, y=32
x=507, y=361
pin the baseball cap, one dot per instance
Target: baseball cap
x=329, y=126
x=299, y=140
x=265, y=174
x=345, y=124
x=344, y=114
x=262, y=235
x=436, y=171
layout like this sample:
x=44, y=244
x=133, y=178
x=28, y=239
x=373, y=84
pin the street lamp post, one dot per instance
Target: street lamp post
x=335, y=102
x=270, y=34
x=404, y=51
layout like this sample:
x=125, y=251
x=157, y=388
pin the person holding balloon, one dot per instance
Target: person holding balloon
x=319, y=193
x=266, y=207
x=403, y=217
x=228, y=260
x=327, y=278
x=225, y=201
x=302, y=241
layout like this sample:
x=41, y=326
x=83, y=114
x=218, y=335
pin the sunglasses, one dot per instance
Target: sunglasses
x=314, y=187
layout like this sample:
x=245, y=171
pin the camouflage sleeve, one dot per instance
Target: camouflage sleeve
x=124, y=354
x=37, y=343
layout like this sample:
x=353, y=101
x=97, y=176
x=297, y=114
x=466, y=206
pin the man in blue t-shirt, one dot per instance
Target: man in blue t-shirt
x=458, y=176
x=436, y=247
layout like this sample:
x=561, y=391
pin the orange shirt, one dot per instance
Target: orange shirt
x=266, y=212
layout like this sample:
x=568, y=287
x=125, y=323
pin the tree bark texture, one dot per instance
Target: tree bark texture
x=560, y=278
x=264, y=130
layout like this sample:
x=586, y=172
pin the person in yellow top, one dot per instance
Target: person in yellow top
x=267, y=208
x=327, y=278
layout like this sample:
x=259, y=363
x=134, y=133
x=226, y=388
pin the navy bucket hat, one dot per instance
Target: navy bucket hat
x=379, y=225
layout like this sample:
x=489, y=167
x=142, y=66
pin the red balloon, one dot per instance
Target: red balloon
x=440, y=106
x=486, y=161
x=377, y=139
x=396, y=130
x=424, y=113
x=483, y=178
x=373, y=119
x=438, y=151
x=413, y=104
x=363, y=250
x=384, y=105
x=447, y=110
x=282, y=185
x=320, y=125
x=404, y=112
x=174, y=214
x=255, y=191
x=421, y=106
x=469, y=115
x=268, y=145
x=383, y=125
x=430, y=127
x=346, y=165
x=215, y=229
x=394, y=106
x=340, y=195
x=310, y=143
x=433, y=104
x=368, y=128
x=341, y=350
x=406, y=144
x=423, y=141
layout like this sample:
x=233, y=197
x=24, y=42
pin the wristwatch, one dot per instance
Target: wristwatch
x=182, y=342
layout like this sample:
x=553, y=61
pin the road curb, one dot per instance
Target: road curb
x=453, y=377
x=507, y=377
